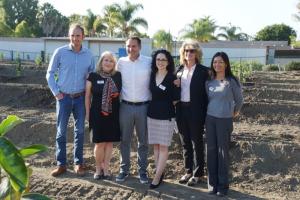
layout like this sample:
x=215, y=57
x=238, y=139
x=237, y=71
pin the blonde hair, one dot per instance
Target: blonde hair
x=195, y=45
x=99, y=67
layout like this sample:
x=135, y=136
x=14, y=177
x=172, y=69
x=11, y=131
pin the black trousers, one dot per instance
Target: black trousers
x=191, y=136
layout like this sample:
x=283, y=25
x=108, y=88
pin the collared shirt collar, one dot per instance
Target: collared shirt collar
x=71, y=49
x=191, y=69
x=138, y=58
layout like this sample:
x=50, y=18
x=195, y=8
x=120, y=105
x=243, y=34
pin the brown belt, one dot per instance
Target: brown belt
x=74, y=95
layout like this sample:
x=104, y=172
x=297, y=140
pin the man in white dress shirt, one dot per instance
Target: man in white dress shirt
x=135, y=95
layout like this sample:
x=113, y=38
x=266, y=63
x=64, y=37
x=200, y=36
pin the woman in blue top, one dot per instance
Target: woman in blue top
x=224, y=103
x=161, y=110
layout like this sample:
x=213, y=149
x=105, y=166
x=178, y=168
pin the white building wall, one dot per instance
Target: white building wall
x=146, y=47
x=283, y=61
x=236, y=54
x=25, y=48
x=99, y=48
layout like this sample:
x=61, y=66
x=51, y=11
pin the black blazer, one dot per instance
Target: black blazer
x=198, y=95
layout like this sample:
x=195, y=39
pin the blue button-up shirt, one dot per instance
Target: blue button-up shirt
x=68, y=70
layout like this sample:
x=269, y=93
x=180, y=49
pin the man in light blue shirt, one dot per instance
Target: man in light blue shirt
x=66, y=76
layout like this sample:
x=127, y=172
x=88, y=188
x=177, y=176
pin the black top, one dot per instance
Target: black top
x=104, y=128
x=198, y=96
x=161, y=106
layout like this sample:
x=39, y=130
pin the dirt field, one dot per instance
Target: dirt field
x=265, y=148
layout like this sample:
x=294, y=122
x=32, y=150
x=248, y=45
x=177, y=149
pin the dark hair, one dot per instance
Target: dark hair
x=135, y=38
x=170, y=66
x=228, y=72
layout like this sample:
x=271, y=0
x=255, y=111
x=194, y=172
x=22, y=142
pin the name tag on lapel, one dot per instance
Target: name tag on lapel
x=162, y=87
x=211, y=89
x=100, y=82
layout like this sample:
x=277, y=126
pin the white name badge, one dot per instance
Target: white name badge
x=162, y=87
x=100, y=82
x=211, y=89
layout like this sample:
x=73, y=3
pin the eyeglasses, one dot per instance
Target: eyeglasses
x=161, y=60
x=190, y=50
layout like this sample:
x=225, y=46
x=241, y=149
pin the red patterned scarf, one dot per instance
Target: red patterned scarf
x=110, y=91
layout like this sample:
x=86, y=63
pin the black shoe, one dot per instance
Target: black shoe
x=107, y=177
x=152, y=186
x=161, y=178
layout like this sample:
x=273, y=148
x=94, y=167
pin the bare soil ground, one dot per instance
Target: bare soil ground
x=265, y=147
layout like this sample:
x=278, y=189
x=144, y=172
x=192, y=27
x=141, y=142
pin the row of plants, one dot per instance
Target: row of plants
x=14, y=171
x=244, y=69
x=38, y=59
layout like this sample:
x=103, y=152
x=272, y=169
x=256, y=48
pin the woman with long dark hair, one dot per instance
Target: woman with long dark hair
x=161, y=110
x=224, y=103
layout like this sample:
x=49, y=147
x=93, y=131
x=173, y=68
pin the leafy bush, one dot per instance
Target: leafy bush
x=242, y=70
x=270, y=67
x=14, y=182
x=1, y=56
x=38, y=61
x=256, y=66
x=292, y=66
x=19, y=66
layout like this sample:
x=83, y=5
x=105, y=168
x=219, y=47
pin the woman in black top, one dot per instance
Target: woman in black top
x=191, y=111
x=161, y=111
x=102, y=111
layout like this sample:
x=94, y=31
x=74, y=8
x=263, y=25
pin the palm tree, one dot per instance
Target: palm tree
x=163, y=39
x=88, y=22
x=201, y=30
x=99, y=27
x=230, y=33
x=297, y=16
x=127, y=23
x=111, y=16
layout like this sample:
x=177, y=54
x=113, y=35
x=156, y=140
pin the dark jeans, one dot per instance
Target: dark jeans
x=191, y=136
x=218, y=132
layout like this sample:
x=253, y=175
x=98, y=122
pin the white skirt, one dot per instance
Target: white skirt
x=160, y=131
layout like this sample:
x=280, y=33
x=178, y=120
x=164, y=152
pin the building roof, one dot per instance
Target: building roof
x=244, y=44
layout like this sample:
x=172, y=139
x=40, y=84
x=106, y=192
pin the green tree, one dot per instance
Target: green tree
x=5, y=30
x=163, y=39
x=201, y=30
x=76, y=18
x=128, y=24
x=23, y=30
x=231, y=33
x=52, y=22
x=110, y=18
x=276, y=32
x=99, y=27
x=88, y=23
x=15, y=11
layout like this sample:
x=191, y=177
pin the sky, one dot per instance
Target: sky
x=173, y=15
